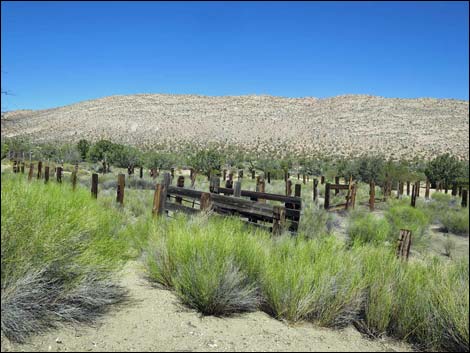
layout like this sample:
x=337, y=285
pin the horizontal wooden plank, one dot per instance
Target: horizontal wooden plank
x=179, y=208
x=264, y=196
x=339, y=187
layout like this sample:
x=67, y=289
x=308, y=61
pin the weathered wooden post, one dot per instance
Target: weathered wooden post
x=15, y=166
x=426, y=191
x=371, y=196
x=286, y=176
x=39, y=175
x=454, y=189
x=418, y=187
x=253, y=174
x=326, y=204
x=59, y=174
x=315, y=189
x=141, y=172
x=214, y=185
x=297, y=190
x=180, y=184
x=269, y=178
x=407, y=188
x=404, y=242
x=46, y=174
x=464, y=198
x=225, y=174
x=288, y=187
x=446, y=187
x=159, y=199
x=237, y=191
x=205, y=201
x=304, y=179
x=336, y=182
x=120, y=189
x=74, y=180
x=413, y=196
x=94, y=185
x=31, y=169
x=279, y=219
x=322, y=180
x=22, y=167
x=261, y=188
x=229, y=182
x=460, y=190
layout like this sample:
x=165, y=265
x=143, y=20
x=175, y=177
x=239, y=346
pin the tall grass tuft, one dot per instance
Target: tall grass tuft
x=365, y=228
x=59, y=249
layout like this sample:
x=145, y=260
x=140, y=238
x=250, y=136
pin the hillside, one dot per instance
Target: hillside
x=344, y=125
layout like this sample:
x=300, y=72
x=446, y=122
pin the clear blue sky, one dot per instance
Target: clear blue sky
x=57, y=53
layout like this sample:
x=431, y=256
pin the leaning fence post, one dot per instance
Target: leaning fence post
x=94, y=185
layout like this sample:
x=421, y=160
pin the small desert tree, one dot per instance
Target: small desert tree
x=83, y=146
x=444, y=168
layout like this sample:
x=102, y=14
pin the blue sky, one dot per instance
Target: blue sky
x=57, y=53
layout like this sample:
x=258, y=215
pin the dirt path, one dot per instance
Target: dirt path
x=154, y=321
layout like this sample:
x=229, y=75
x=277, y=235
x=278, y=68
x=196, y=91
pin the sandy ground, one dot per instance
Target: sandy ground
x=154, y=321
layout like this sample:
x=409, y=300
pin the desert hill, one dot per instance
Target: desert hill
x=345, y=125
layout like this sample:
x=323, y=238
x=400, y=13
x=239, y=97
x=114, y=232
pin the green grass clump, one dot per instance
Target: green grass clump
x=212, y=266
x=367, y=228
x=64, y=242
x=312, y=280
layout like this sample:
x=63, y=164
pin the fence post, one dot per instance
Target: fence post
x=205, y=202
x=269, y=178
x=225, y=174
x=74, y=180
x=371, y=196
x=120, y=188
x=288, y=187
x=304, y=178
x=253, y=174
x=279, y=220
x=413, y=196
x=407, y=188
x=39, y=175
x=315, y=189
x=237, y=192
x=22, y=167
x=59, y=174
x=460, y=190
x=141, y=172
x=464, y=198
x=46, y=174
x=326, y=204
x=418, y=187
x=214, y=185
x=404, y=243
x=31, y=169
x=261, y=188
x=158, y=196
x=426, y=192
x=94, y=185
x=454, y=189
x=322, y=180
x=336, y=182
x=297, y=190
x=180, y=184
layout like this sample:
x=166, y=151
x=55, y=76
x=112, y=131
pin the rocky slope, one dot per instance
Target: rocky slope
x=344, y=125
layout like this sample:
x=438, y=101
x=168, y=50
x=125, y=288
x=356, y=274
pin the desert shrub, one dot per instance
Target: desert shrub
x=403, y=216
x=316, y=221
x=83, y=146
x=367, y=228
x=455, y=221
x=212, y=268
x=65, y=242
